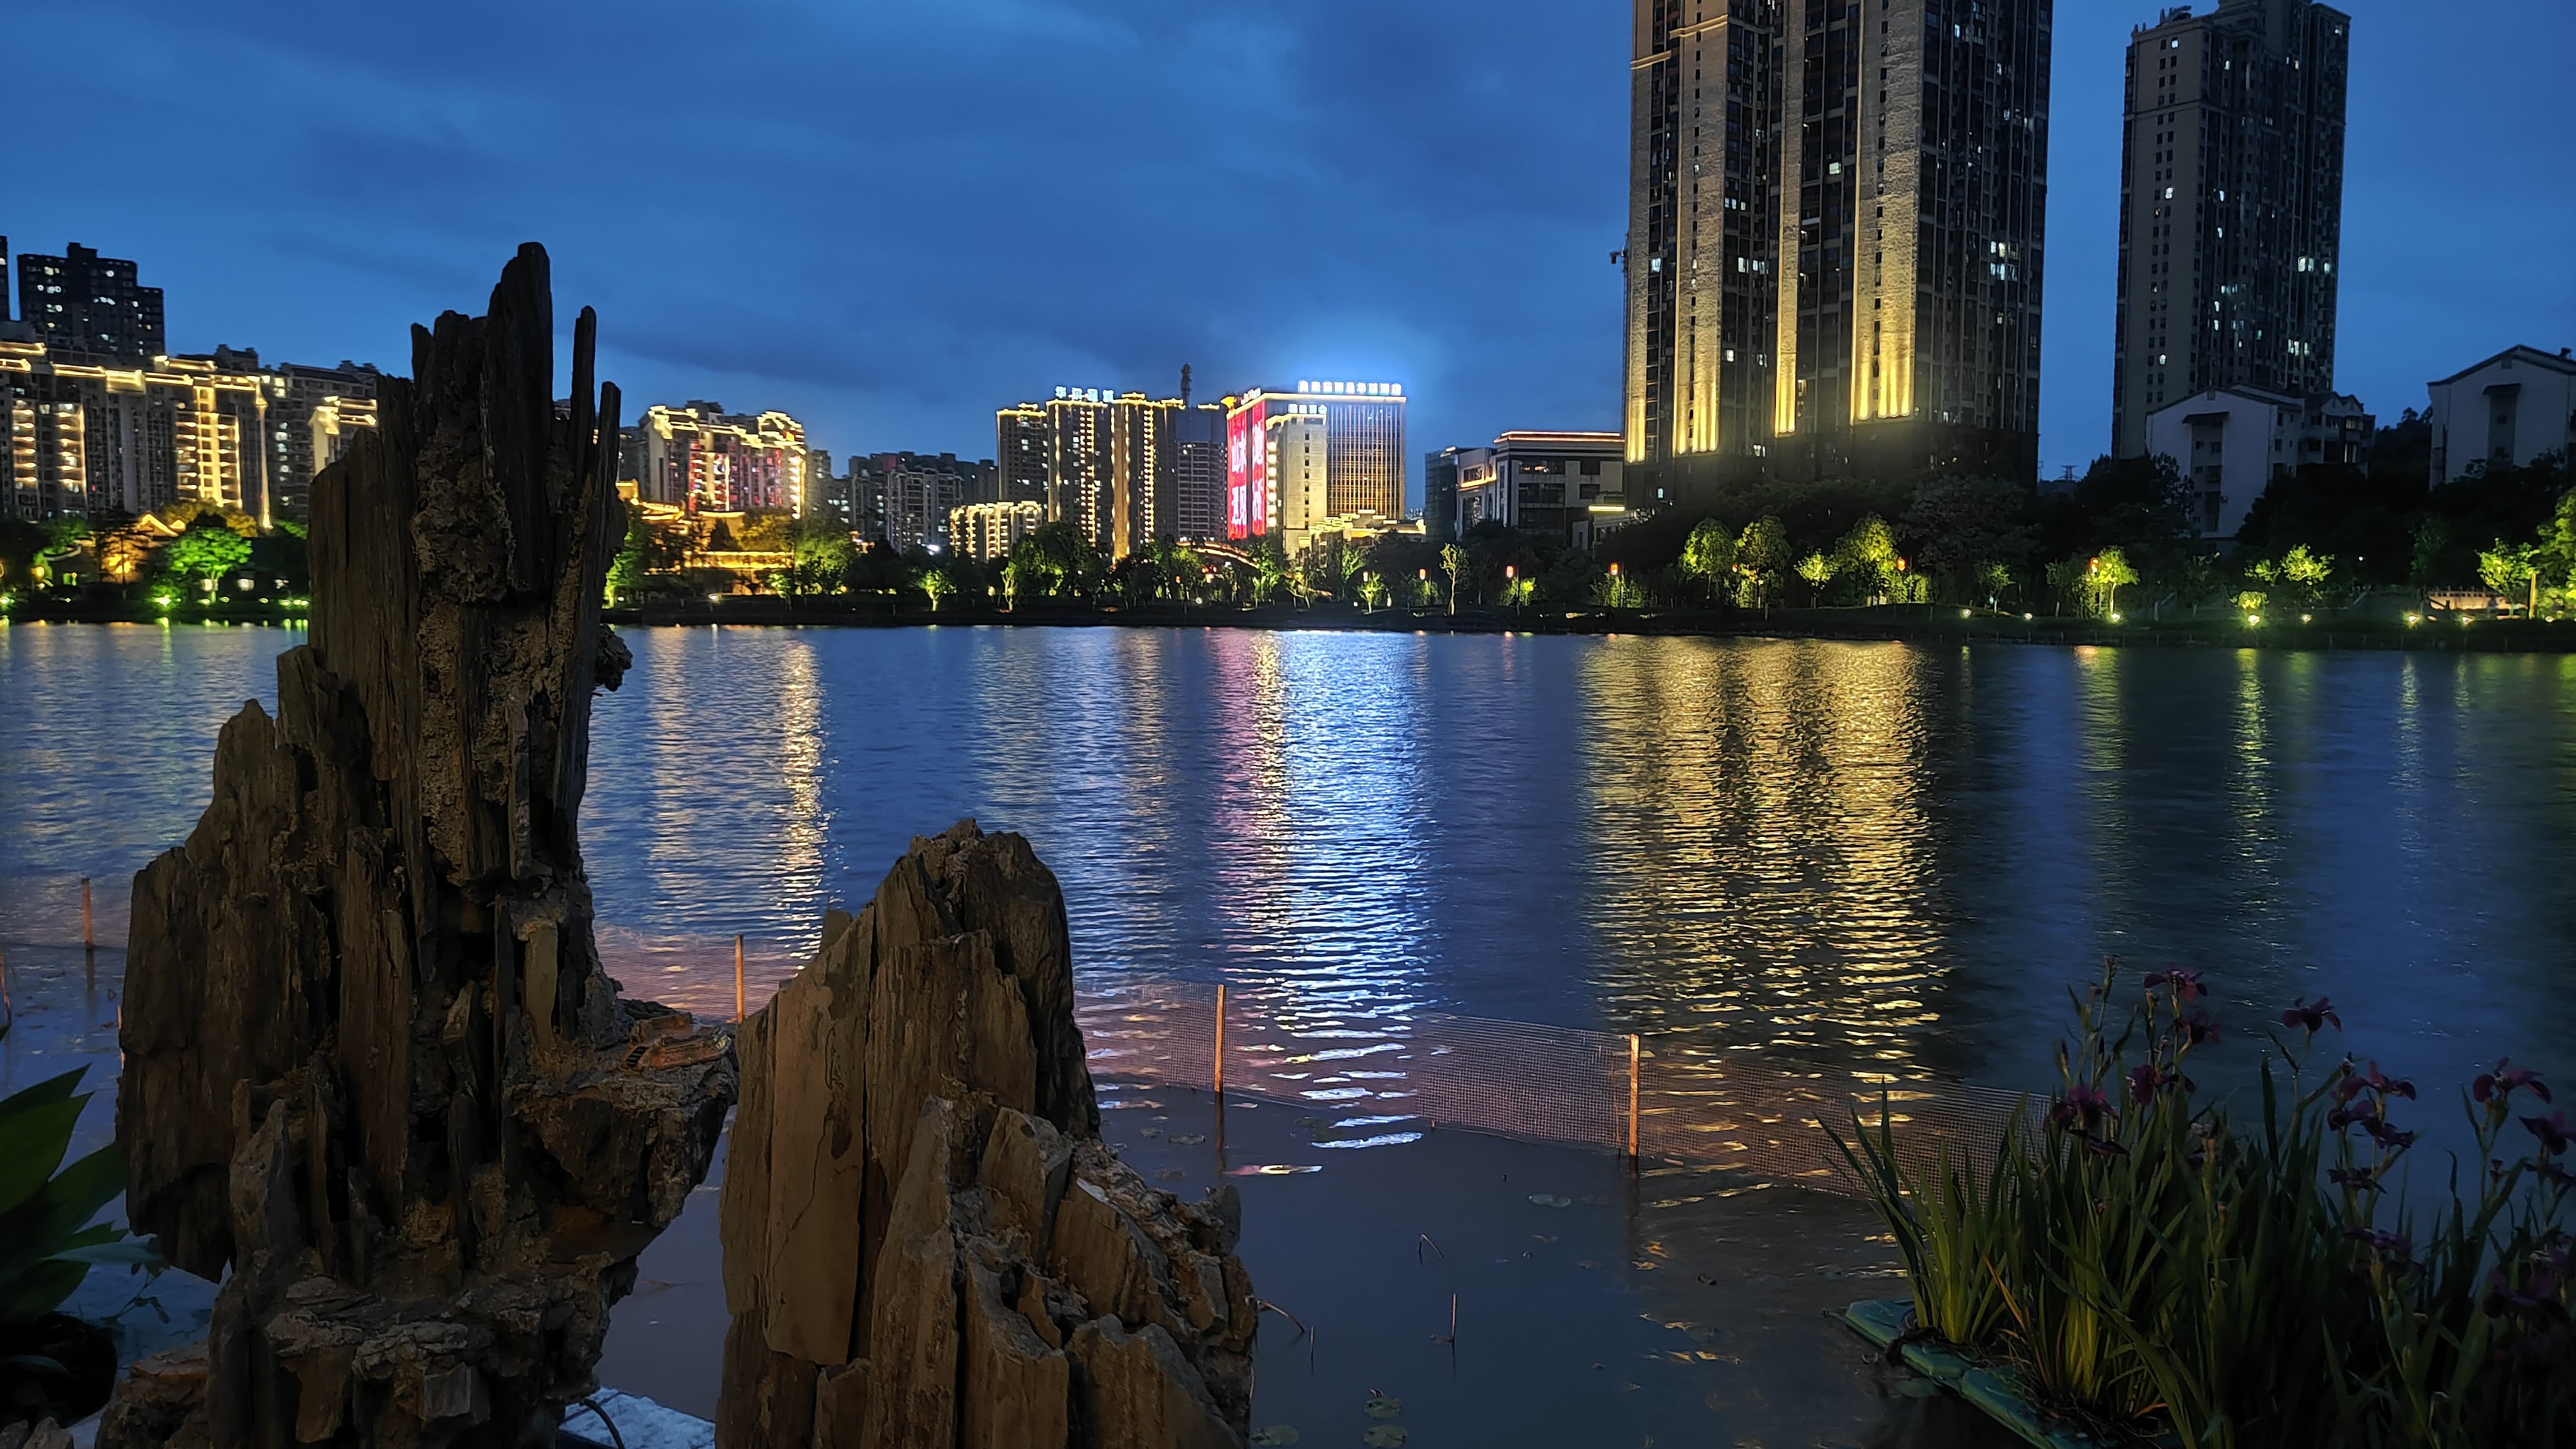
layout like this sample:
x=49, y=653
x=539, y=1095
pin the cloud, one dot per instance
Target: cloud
x=895, y=216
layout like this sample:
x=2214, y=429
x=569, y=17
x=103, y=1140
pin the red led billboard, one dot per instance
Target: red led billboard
x=1247, y=472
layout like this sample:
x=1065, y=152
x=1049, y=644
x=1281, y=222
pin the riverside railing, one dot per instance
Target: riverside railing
x=1381, y=1072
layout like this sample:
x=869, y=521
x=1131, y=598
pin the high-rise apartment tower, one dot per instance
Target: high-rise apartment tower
x=83, y=302
x=2231, y=206
x=1837, y=212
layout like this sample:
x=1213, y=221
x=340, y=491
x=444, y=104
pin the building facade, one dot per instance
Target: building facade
x=1569, y=488
x=1198, y=471
x=917, y=493
x=1703, y=227
x=2232, y=444
x=81, y=302
x=1359, y=428
x=2231, y=221
x=1122, y=467
x=80, y=436
x=1836, y=232
x=1440, y=495
x=986, y=531
x=313, y=413
x=1022, y=450
x=702, y=459
x=2509, y=411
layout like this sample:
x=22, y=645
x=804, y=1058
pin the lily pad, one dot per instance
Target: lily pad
x=1188, y=1139
x=1383, y=1406
x=1384, y=1436
x=1551, y=1200
x=1275, y=1434
x=1151, y=1132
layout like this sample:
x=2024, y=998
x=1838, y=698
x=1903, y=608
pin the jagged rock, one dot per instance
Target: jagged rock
x=927, y=1245
x=372, y=1065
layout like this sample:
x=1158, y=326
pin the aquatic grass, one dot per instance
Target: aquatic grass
x=2150, y=1266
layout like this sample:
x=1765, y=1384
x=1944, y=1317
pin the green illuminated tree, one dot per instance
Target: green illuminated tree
x=1708, y=558
x=205, y=551
x=2510, y=569
x=1868, y=554
x=2105, y=575
x=1818, y=570
x=1453, y=562
x=1761, y=562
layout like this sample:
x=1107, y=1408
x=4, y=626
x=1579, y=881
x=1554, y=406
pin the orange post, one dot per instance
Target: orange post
x=1220, y=1039
x=737, y=981
x=1633, y=1055
x=88, y=938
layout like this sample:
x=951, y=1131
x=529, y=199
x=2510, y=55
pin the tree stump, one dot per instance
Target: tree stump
x=372, y=1064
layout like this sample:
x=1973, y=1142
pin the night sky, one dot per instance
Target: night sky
x=891, y=218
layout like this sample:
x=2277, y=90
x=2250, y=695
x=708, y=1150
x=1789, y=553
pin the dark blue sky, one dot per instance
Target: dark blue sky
x=890, y=218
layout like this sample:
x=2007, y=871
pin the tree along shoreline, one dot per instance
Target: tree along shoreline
x=1895, y=623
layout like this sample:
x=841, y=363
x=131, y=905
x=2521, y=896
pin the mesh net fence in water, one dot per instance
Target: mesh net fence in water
x=1384, y=1076
x=1371, y=1074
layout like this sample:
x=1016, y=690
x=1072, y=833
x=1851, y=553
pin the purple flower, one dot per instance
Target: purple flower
x=2104, y=1147
x=2506, y=1080
x=2358, y=1179
x=2084, y=1104
x=2384, y=1134
x=2554, y=1131
x=2198, y=1028
x=2145, y=1080
x=2356, y=1083
x=2538, y=1294
x=2386, y=1246
x=2186, y=984
x=2312, y=1018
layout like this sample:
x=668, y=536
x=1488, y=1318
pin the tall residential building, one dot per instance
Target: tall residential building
x=916, y=494
x=78, y=436
x=1114, y=464
x=83, y=302
x=1703, y=228
x=1440, y=494
x=1836, y=223
x=312, y=415
x=2231, y=207
x=1361, y=426
x=1198, y=471
x=703, y=459
x=1020, y=453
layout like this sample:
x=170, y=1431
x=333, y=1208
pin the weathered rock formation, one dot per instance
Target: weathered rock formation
x=926, y=1243
x=372, y=1065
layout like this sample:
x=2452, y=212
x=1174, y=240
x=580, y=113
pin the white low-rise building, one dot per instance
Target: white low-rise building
x=2507, y=412
x=2229, y=446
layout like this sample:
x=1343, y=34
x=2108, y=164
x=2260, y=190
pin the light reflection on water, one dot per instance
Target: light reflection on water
x=1870, y=859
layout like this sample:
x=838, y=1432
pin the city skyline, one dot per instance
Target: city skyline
x=1479, y=214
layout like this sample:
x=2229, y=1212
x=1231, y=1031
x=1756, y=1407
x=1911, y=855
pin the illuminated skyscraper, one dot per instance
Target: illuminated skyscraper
x=1361, y=435
x=1110, y=463
x=2231, y=203
x=83, y=302
x=1836, y=216
x=1020, y=445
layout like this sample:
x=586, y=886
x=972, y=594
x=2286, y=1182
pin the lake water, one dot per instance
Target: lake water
x=1851, y=861
x=1863, y=858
